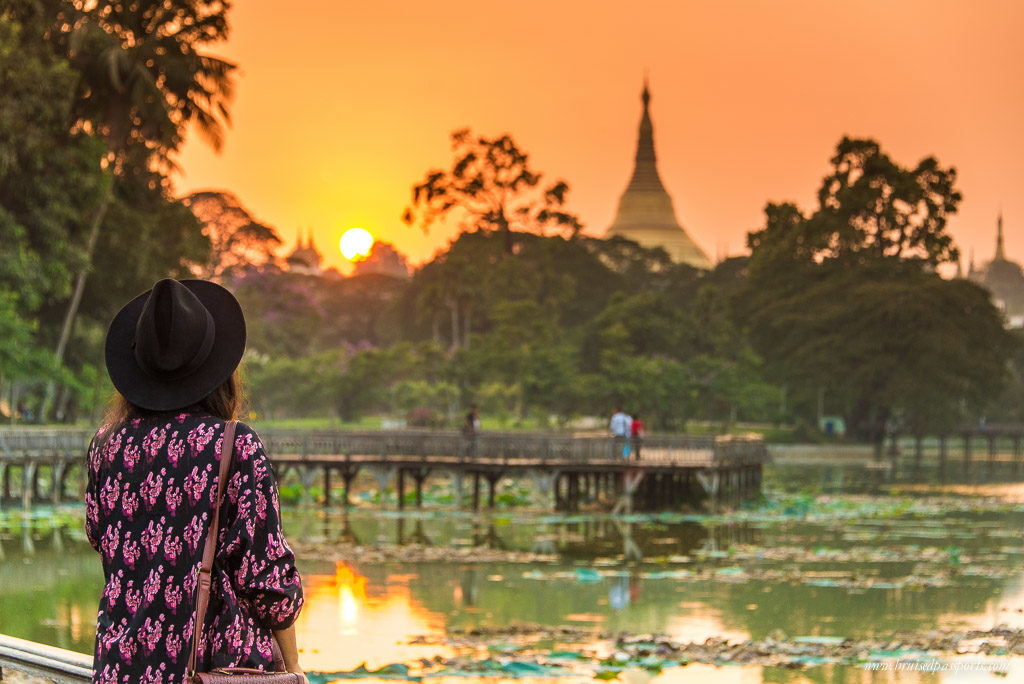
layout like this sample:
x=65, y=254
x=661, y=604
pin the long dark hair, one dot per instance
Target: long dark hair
x=224, y=402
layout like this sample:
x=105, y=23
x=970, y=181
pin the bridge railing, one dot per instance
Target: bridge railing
x=39, y=660
x=508, y=447
x=18, y=444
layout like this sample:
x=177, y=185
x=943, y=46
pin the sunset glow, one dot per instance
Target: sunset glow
x=345, y=622
x=355, y=244
x=340, y=109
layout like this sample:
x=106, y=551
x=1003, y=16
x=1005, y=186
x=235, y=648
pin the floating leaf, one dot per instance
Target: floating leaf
x=586, y=575
x=606, y=674
x=823, y=640
x=390, y=671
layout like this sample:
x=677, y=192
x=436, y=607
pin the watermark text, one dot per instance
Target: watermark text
x=934, y=666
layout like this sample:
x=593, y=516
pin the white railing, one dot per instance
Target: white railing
x=39, y=660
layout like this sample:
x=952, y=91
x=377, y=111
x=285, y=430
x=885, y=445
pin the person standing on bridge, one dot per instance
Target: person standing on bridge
x=636, y=435
x=153, y=472
x=621, y=425
x=470, y=431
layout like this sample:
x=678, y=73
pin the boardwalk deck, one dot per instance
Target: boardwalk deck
x=662, y=471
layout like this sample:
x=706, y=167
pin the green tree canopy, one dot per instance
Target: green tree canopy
x=144, y=73
x=49, y=178
x=846, y=309
x=143, y=78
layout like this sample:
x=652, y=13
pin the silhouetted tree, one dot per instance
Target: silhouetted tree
x=237, y=240
x=869, y=207
x=490, y=187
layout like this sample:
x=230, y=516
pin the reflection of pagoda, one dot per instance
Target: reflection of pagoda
x=305, y=260
x=1004, y=279
x=646, y=214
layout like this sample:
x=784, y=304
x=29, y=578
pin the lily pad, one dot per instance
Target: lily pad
x=398, y=671
x=586, y=575
x=823, y=640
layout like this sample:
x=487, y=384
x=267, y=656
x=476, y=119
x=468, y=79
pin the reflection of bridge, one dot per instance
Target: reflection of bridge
x=579, y=538
x=662, y=472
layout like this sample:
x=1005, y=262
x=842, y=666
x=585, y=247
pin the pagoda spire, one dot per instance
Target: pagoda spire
x=645, y=213
x=645, y=169
x=1000, y=248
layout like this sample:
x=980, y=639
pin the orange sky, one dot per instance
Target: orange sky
x=342, y=106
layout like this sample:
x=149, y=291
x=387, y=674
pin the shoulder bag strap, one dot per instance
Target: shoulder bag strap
x=203, y=585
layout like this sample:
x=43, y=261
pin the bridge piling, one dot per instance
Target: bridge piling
x=492, y=485
x=59, y=471
x=400, y=488
x=28, y=487
x=347, y=475
x=419, y=475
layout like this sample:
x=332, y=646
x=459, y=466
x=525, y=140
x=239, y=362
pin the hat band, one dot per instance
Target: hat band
x=194, y=364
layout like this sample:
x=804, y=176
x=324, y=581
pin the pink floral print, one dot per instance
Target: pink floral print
x=149, y=498
x=151, y=488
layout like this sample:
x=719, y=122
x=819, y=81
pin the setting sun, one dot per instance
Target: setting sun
x=355, y=243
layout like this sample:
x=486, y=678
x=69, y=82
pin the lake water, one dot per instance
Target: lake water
x=822, y=561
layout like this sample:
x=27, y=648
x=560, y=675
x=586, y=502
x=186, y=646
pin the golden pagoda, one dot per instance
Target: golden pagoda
x=1004, y=278
x=305, y=259
x=646, y=214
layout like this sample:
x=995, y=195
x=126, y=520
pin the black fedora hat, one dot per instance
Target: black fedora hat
x=174, y=344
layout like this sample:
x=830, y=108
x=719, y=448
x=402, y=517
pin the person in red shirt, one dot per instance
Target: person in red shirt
x=636, y=434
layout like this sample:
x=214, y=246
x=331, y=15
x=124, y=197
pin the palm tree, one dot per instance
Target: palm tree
x=143, y=82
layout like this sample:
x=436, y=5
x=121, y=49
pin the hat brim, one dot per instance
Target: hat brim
x=153, y=394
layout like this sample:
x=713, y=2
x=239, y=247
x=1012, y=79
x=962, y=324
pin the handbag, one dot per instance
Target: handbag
x=228, y=675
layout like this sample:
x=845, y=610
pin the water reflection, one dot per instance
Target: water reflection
x=572, y=538
x=348, y=621
x=686, y=579
x=50, y=582
x=465, y=592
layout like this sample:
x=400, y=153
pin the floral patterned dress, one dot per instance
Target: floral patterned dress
x=149, y=502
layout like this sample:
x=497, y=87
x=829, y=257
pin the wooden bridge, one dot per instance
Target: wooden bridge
x=992, y=451
x=34, y=451
x=662, y=472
